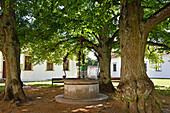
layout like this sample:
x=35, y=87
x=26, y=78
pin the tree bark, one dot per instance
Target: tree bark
x=10, y=47
x=104, y=57
x=135, y=87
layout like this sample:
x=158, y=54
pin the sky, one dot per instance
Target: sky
x=91, y=55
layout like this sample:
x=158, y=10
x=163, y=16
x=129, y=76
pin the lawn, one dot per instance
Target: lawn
x=1, y=88
x=162, y=85
x=161, y=82
x=48, y=85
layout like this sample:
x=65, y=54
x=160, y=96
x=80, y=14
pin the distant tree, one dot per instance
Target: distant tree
x=89, y=62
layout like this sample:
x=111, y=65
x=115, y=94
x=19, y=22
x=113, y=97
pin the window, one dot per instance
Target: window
x=146, y=66
x=28, y=65
x=114, y=67
x=49, y=66
x=158, y=67
x=66, y=65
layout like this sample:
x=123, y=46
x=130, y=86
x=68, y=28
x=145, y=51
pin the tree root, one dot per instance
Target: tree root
x=122, y=105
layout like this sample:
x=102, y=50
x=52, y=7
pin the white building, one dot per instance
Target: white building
x=162, y=72
x=44, y=71
x=92, y=71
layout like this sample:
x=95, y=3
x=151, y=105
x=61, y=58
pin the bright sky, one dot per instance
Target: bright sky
x=91, y=55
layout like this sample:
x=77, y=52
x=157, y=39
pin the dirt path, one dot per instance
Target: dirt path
x=42, y=101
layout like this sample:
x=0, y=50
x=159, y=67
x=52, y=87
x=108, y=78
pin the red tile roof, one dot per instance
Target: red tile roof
x=114, y=55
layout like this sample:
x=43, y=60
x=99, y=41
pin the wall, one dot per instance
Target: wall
x=116, y=61
x=92, y=71
x=165, y=69
x=152, y=73
x=40, y=72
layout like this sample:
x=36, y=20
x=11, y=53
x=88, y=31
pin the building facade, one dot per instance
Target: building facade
x=43, y=71
x=93, y=71
x=162, y=72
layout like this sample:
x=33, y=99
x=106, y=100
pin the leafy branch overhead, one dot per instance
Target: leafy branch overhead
x=55, y=25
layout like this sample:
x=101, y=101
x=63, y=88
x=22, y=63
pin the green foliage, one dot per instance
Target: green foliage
x=151, y=6
x=1, y=88
x=88, y=62
x=160, y=34
x=129, y=100
x=154, y=56
x=165, y=91
x=44, y=24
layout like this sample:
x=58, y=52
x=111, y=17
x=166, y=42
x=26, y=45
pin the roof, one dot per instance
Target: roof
x=93, y=67
x=114, y=55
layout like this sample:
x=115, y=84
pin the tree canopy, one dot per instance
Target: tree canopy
x=50, y=29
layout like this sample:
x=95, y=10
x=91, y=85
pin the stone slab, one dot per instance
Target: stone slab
x=100, y=99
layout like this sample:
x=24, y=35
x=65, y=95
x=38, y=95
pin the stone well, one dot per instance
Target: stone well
x=81, y=91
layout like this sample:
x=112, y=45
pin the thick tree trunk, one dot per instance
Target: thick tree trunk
x=104, y=56
x=10, y=48
x=135, y=88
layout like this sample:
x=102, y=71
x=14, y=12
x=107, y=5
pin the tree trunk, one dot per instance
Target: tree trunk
x=10, y=48
x=104, y=56
x=135, y=87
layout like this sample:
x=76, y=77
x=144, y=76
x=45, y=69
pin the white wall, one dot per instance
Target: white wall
x=165, y=69
x=116, y=61
x=39, y=72
x=151, y=72
x=92, y=72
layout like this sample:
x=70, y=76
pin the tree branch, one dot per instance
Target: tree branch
x=157, y=44
x=61, y=42
x=95, y=35
x=147, y=7
x=159, y=16
x=89, y=47
x=115, y=2
x=115, y=34
x=159, y=1
x=97, y=56
x=65, y=58
x=89, y=42
x=113, y=37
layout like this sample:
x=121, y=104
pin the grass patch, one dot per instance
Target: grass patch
x=47, y=85
x=162, y=90
x=1, y=88
x=161, y=82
